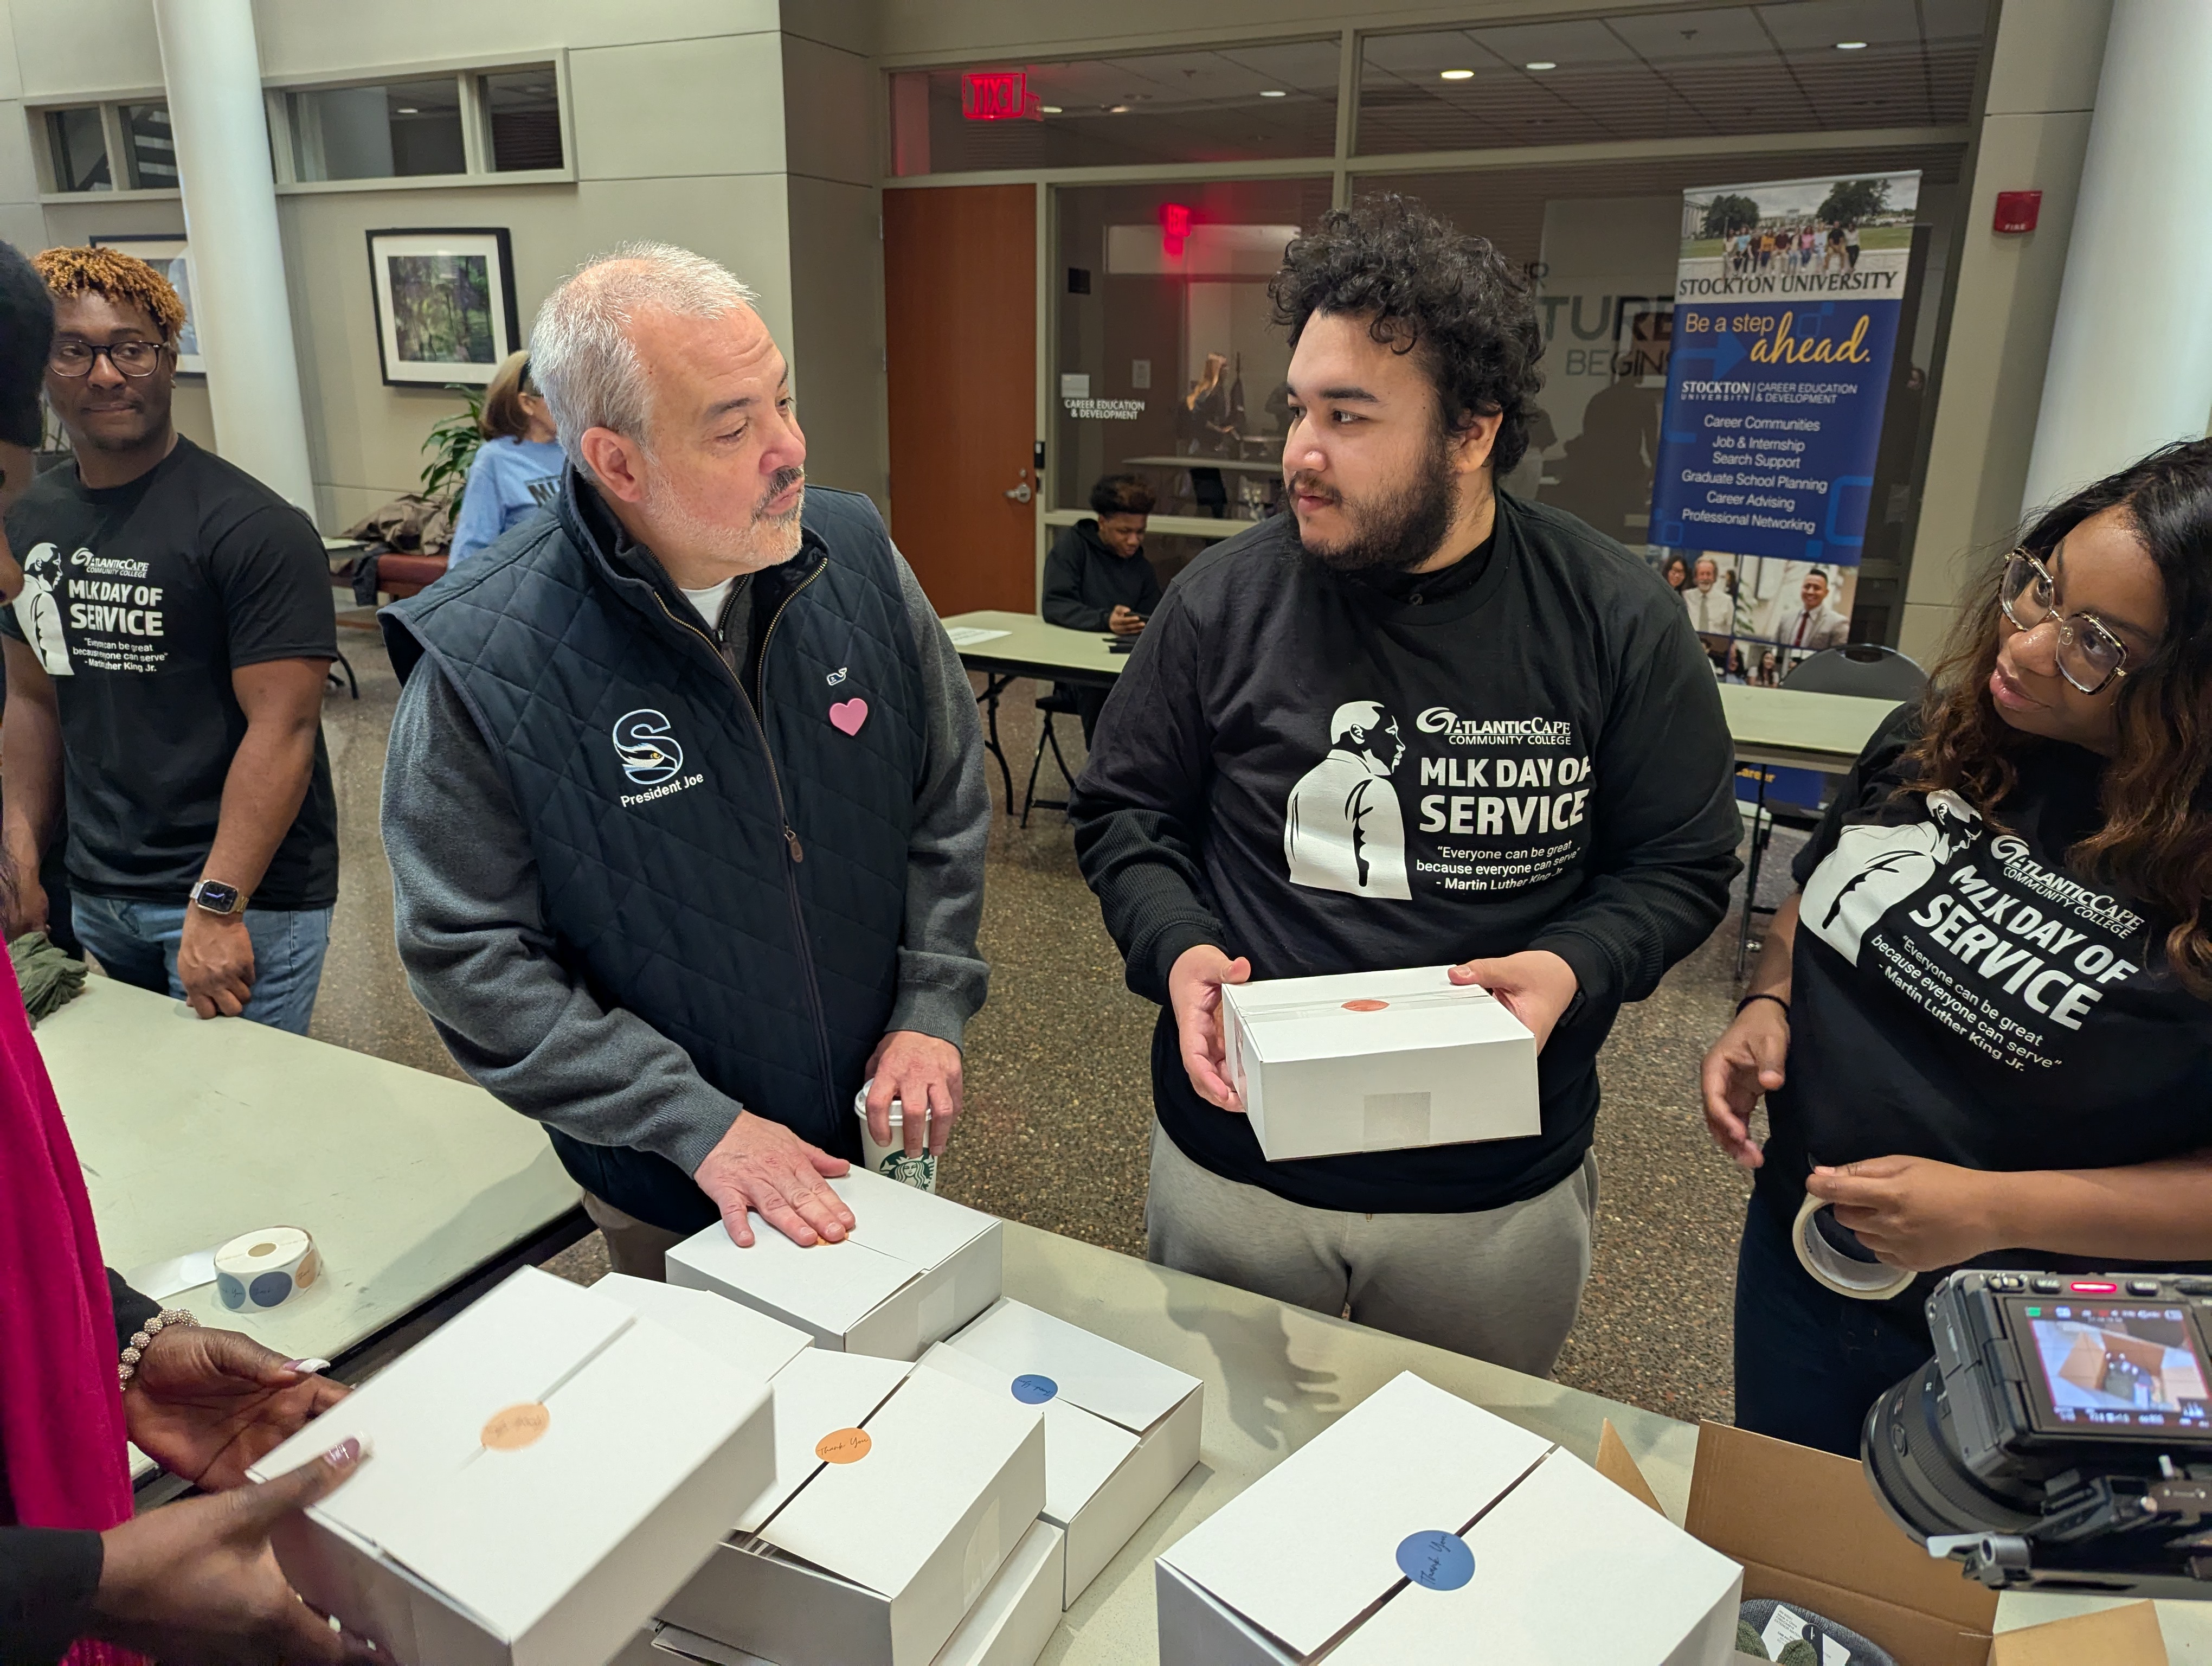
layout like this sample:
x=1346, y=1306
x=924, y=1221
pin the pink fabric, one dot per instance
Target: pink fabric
x=61, y=1411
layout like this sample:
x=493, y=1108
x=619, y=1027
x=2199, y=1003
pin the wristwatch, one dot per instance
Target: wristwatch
x=218, y=898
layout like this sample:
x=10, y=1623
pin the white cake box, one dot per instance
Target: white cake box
x=1377, y=1062
x=915, y=1269
x=752, y=1341
x=1120, y=1430
x=1419, y=1531
x=874, y=1558
x=545, y=1470
x=1010, y=1623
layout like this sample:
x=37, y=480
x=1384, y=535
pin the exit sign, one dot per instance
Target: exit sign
x=999, y=95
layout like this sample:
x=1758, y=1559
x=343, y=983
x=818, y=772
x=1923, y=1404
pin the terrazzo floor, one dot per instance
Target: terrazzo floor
x=1059, y=1100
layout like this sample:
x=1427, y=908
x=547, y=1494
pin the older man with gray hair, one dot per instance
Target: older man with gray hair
x=685, y=804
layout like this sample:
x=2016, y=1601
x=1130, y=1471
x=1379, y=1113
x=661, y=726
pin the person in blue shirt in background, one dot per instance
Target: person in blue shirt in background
x=517, y=469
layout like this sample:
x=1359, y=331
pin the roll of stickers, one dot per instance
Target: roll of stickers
x=261, y=1270
x=1831, y=1253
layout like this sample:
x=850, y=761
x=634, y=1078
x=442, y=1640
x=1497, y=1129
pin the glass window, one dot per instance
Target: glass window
x=394, y=132
x=1600, y=243
x=153, y=153
x=79, y=149
x=1796, y=66
x=522, y=113
x=1218, y=104
x=1169, y=363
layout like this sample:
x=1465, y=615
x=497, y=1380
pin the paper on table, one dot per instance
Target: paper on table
x=969, y=635
x=158, y=1280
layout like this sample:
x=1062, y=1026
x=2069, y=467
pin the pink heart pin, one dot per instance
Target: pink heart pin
x=849, y=714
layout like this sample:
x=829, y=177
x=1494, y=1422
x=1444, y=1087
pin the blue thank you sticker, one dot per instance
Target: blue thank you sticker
x=1034, y=1390
x=1439, y=1560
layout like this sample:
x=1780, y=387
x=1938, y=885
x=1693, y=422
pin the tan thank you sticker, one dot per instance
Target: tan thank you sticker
x=843, y=1446
x=516, y=1427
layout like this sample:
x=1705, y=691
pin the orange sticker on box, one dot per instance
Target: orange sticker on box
x=516, y=1427
x=843, y=1446
x=1368, y=1005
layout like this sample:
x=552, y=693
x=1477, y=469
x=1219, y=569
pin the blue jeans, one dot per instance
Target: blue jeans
x=136, y=942
x=1809, y=1363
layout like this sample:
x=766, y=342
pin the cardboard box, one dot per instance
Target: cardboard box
x=1010, y=1623
x=1120, y=1430
x=1377, y=1062
x=873, y=1558
x=546, y=1470
x=751, y=1341
x=915, y=1270
x=1808, y=1531
x=1418, y=1524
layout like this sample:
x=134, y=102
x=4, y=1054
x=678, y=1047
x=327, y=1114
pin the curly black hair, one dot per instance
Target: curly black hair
x=1426, y=288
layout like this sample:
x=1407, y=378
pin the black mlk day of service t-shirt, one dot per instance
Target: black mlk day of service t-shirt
x=1962, y=991
x=140, y=600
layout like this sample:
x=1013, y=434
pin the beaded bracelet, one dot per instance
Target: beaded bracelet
x=166, y=1318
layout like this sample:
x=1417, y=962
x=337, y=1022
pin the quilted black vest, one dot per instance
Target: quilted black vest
x=735, y=879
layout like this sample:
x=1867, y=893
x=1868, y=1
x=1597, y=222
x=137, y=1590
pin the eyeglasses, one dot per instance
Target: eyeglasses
x=2090, y=655
x=135, y=359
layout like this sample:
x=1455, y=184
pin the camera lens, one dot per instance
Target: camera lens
x=1913, y=1458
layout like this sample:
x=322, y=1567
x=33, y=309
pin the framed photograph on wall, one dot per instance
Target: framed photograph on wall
x=172, y=257
x=445, y=305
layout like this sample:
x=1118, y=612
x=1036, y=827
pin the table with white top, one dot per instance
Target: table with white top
x=420, y=1191
x=1823, y=732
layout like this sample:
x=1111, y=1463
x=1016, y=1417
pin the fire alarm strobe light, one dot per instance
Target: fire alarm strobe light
x=2017, y=210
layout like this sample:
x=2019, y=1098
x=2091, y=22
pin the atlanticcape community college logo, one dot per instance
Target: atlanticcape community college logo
x=646, y=747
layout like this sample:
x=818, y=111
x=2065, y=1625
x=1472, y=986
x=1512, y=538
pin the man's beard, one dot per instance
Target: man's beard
x=766, y=540
x=1396, y=530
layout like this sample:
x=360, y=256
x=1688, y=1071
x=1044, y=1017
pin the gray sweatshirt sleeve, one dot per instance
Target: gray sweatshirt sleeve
x=472, y=937
x=942, y=977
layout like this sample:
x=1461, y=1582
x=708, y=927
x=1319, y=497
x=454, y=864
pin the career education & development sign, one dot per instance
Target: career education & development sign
x=1786, y=304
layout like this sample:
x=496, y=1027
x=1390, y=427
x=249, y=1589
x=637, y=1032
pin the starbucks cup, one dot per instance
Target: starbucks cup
x=891, y=1161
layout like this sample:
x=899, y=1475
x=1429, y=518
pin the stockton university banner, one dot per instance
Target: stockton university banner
x=1787, y=298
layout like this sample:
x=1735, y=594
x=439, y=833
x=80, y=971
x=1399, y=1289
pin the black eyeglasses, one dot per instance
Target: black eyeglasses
x=2090, y=655
x=135, y=359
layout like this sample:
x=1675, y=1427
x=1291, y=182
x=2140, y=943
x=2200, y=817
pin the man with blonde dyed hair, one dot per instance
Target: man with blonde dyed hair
x=166, y=662
x=685, y=802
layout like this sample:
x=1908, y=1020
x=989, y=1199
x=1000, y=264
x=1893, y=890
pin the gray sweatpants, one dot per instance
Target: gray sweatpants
x=1502, y=1285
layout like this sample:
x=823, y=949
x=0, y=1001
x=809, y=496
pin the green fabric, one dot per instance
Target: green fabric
x=50, y=978
x=1749, y=1641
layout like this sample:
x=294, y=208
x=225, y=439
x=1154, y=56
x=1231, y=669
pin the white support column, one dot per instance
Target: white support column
x=2130, y=362
x=212, y=68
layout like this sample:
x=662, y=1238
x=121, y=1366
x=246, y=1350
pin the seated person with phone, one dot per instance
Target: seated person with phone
x=1097, y=577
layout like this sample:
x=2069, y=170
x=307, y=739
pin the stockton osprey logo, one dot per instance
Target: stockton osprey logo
x=646, y=747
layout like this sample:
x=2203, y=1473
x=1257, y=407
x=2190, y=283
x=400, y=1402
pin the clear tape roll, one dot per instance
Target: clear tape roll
x=260, y=1270
x=1862, y=1281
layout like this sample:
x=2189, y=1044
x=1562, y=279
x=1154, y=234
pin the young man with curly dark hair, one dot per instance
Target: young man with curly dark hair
x=166, y=662
x=1416, y=721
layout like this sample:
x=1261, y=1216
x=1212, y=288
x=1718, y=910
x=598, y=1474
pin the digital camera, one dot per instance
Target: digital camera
x=2061, y=1438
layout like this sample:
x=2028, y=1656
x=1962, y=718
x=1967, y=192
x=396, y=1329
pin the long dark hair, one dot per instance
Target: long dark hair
x=2155, y=796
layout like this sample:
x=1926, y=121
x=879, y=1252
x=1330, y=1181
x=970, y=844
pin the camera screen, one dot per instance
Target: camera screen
x=2115, y=1371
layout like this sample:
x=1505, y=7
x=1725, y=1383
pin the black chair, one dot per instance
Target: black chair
x=1867, y=670
x=1059, y=701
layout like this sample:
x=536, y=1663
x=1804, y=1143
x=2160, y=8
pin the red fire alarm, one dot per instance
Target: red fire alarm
x=2016, y=210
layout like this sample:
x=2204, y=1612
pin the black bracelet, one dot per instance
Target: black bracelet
x=1762, y=996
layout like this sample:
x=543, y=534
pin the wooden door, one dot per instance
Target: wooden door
x=960, y=329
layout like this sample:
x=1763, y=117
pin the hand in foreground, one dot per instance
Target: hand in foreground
x=215, y=963
x=1535, y=986
x=208, y=1404
x=1122, y=622
x=1745, y=1062
x=1195, y=994
x=1913, y=1211
x=195, y=1583
x=763, y=1166
x=922, y=1072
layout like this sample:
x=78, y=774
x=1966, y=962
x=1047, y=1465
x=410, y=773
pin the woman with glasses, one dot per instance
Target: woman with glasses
x=1983, y=1026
